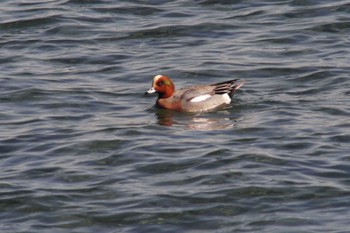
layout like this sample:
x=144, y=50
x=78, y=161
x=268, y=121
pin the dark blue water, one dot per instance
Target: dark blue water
x=82, y=150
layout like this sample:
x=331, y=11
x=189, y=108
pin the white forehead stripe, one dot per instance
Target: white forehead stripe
x=157, y=77
x=200, y=98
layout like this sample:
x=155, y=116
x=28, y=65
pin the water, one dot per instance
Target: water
x=82, y=150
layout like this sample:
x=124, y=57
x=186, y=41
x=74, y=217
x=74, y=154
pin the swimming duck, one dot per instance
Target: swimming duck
x=193, y=98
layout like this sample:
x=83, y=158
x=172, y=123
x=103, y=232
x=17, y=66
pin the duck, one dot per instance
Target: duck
x=198, y=98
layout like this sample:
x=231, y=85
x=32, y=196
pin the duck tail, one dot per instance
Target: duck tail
x=228, y=87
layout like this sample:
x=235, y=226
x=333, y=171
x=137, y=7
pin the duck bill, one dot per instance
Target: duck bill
x=150, y=91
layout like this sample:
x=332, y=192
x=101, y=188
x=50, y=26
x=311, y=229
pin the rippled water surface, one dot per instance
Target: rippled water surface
x=83, y=150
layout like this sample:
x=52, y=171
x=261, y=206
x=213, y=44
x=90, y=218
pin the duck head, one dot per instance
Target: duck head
x=163, y=86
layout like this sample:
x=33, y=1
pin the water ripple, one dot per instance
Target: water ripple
x=83, y=150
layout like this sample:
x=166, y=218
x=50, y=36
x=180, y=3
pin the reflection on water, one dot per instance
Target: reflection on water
x=196, y=121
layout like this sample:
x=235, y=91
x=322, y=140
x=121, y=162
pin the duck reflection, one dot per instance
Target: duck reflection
x=203, y=121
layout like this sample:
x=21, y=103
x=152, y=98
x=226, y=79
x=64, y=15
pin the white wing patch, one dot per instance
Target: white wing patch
x=200, y=98
x=226, y=98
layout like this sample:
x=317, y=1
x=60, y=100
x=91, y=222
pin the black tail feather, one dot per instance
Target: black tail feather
x=227, y=87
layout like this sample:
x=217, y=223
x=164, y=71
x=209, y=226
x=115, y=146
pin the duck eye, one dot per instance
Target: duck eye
x=160, y=84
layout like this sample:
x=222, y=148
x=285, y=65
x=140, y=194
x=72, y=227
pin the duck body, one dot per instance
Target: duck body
x=194, y=98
